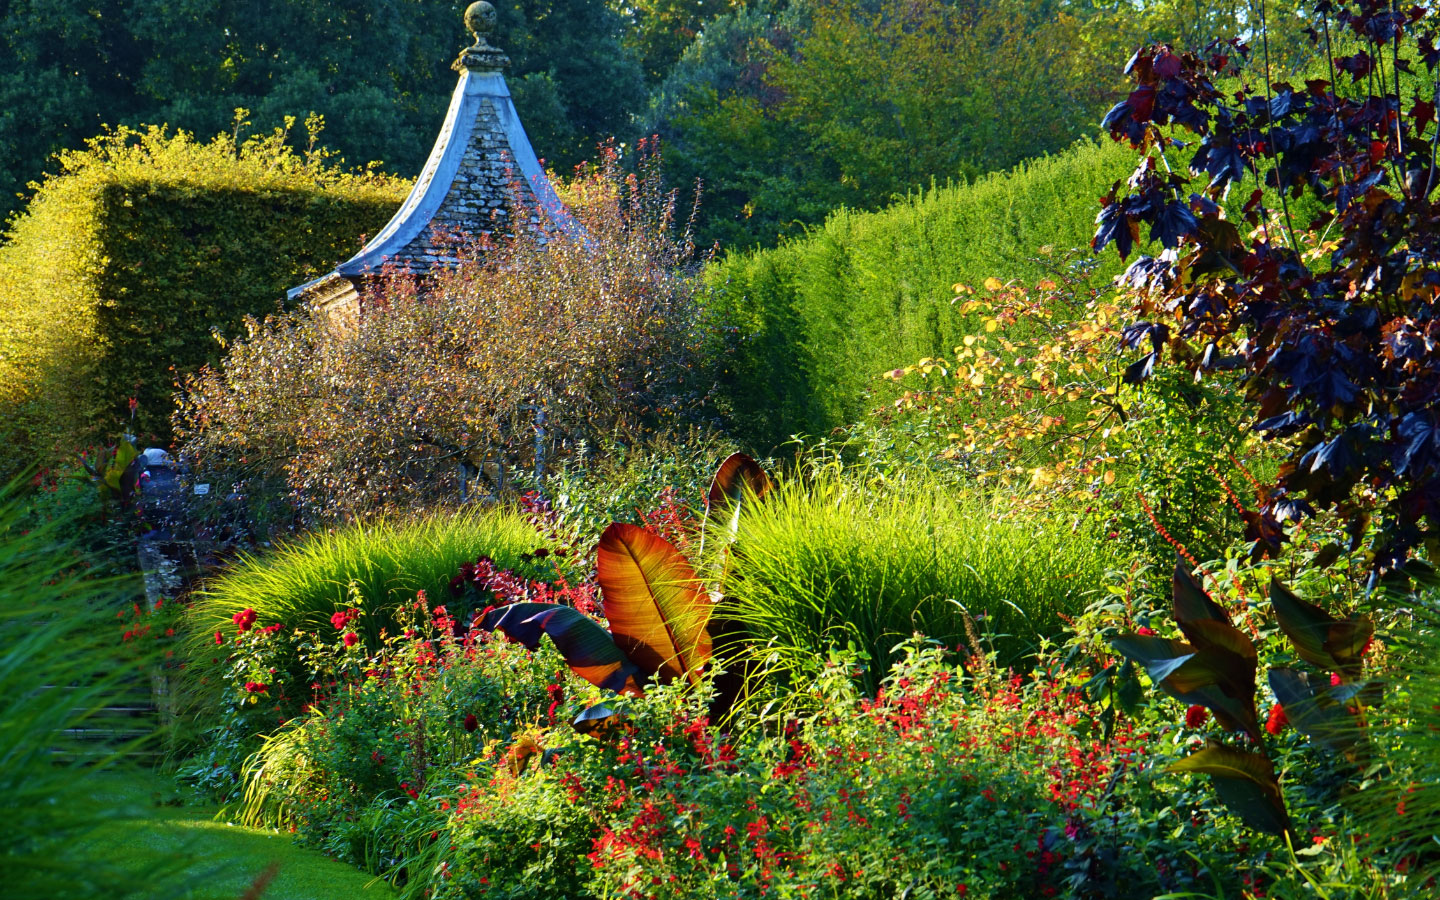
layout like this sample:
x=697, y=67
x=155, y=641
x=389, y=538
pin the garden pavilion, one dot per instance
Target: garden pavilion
x=481, y=174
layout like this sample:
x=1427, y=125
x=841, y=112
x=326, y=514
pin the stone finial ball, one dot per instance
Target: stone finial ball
x=480, y=18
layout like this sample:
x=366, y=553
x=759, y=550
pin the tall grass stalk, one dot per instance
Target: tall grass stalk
x=830, y=562
x=377, y=566
x=57, y=666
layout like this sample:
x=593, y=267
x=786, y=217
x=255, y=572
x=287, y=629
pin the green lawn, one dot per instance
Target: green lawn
x=215, y=860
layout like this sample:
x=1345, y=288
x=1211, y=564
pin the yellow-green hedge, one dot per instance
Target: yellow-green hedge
x=143, y=244
x=815, y=321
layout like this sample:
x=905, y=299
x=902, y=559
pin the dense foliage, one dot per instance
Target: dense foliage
x=530, y=350
x=817, y=320
x=377, y=70
x=1331, y=321
x=145, y=242
x=790, y=114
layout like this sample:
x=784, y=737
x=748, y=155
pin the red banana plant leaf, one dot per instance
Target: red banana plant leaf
x=738, y=477
x=588, y=649
x=654, y=602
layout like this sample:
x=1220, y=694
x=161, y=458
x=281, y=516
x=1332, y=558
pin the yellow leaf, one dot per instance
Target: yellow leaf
x=1110, y=476
x=993, y=284
x=1046, y=285
x=991, y=325
x=977, y=379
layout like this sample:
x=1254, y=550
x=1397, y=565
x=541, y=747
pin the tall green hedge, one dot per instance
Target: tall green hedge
x=125, y=261
x=813, y=323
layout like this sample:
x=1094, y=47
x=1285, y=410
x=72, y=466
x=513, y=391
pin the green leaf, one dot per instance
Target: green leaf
x=588, y=649
x=653, y=602
x=1245, y=783
x=125, y=454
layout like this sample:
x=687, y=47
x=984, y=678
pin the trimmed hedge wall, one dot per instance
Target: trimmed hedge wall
x=813, y=323
x=124, y=263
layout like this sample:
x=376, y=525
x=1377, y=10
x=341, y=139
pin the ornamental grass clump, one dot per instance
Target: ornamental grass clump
x=374, y=567
x=830, y=562
x=57, y=673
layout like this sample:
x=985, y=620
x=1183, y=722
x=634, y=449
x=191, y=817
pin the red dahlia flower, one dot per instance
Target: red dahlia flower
x=350, y=638
x=471, y=723
x=1277, y=721
x=244, y=619
x=1196, y=716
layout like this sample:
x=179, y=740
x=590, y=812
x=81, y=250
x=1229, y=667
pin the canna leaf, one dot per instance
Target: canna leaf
x=589, y=650
x=654, y=603
x=1319, y=715
x=1214, y=677
x=1304, y=623
x=1245, y=782
x=1320, y=638
x=1190, y=602
x=1160, y=656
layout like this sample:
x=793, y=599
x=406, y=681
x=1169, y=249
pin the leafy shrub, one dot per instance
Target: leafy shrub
x=114, y=277
x=1330, y=319
x=512, y=359
x=831, y=562
x=997, y=786
x=816, y=320
x=1036, y=400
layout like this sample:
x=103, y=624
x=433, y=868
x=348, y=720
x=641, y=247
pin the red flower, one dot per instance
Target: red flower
x=1334, y=679
x=244, y=619
x=350, y=638
x=1146, y=630
x=1277, y=721
x=255, y=687
x=471, y=723
x=1196, y=716
x=219, y=639
x=341, y=619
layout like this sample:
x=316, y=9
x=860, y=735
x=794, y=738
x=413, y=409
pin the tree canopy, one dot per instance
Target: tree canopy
x=377, y=70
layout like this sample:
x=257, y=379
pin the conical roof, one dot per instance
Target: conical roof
x=481, y=169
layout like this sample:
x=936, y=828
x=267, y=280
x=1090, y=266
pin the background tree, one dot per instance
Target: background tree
x=377, y=70
x=658, y=31
x=793, y=111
